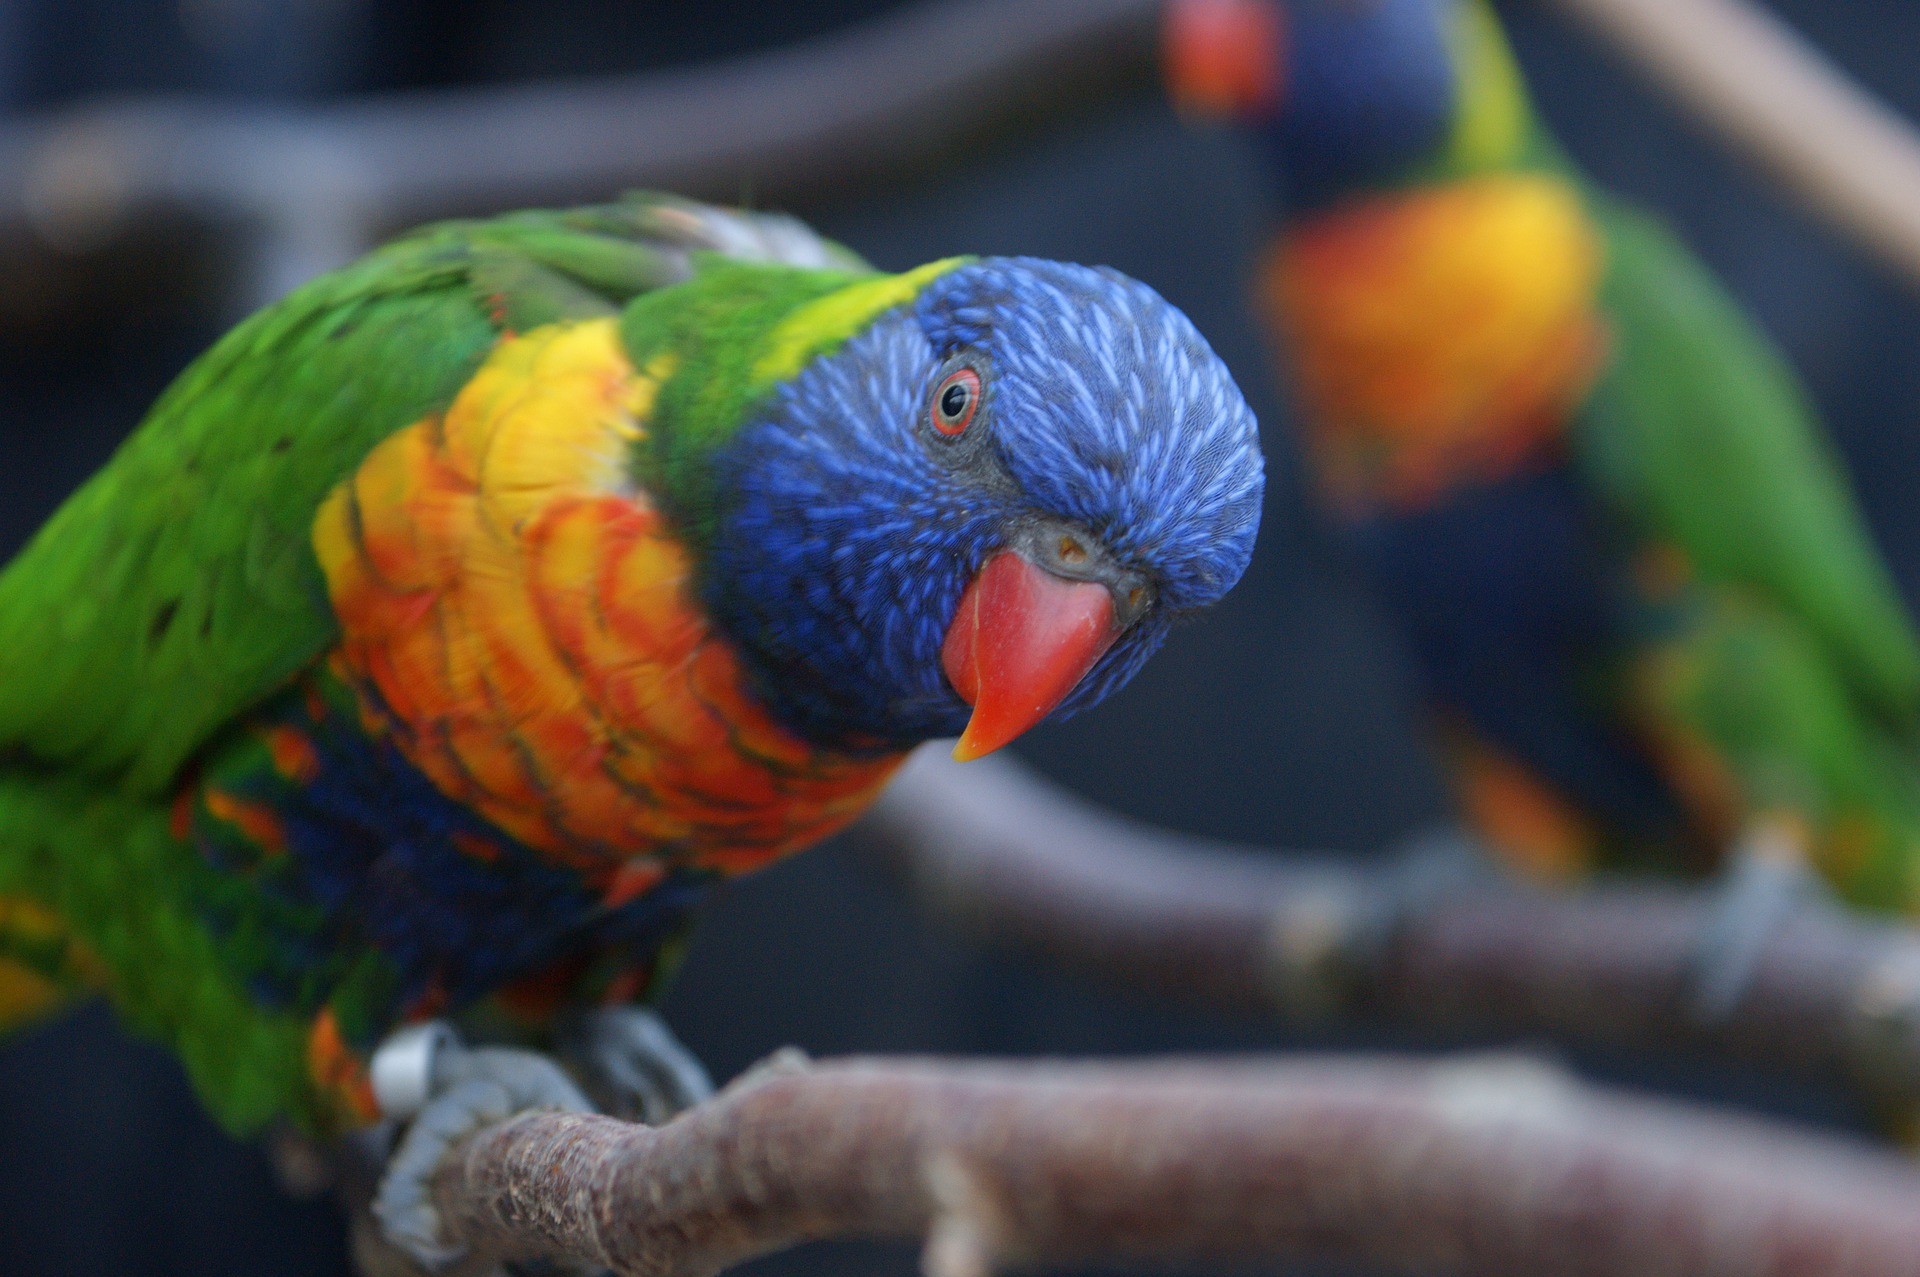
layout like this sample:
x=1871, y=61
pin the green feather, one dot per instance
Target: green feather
x=1738, y=679
x=1788, y=662
x=1693, y=390
x=707, y=334
x=130, y=894
x=178, y=589
x=729, y=336
x=1701, y=436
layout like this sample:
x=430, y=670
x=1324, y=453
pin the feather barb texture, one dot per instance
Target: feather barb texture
x=521, y=620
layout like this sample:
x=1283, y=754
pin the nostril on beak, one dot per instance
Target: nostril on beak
x=1071, y=552
x=1132, y=597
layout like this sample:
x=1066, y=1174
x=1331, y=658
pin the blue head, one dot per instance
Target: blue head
x=1343, y=93
x=999, y=494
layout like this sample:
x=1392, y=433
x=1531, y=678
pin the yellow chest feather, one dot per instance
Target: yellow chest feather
x=1439, y=333
x=519, y=620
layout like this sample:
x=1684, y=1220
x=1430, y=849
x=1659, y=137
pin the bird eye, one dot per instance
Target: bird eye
x=955, y=400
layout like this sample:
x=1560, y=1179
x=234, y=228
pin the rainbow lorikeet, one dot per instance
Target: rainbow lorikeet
x=1644, y=602
x=453, y=625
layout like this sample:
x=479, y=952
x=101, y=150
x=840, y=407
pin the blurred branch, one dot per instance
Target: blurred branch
x=320, y=186
x=1487, y=1166
x=1416, y=940
x=312, y=189
x=1758, y=83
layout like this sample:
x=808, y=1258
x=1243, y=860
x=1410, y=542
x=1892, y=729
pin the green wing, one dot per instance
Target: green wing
x=1703, y=436
x=177, y=587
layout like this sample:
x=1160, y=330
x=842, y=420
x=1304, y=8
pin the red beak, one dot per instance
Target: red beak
x=1021, y=639
x=1223, y=57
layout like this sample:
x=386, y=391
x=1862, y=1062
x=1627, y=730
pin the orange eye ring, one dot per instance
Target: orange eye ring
x=955, y=400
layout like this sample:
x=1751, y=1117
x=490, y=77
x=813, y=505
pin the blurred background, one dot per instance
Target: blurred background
x=1286, y=718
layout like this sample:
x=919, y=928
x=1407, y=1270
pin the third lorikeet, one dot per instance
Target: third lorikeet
x=450, y=627
x=1646, y=608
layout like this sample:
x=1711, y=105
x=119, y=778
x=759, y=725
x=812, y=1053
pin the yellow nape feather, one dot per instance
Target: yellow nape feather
x=829, y=320
x=1490, y=124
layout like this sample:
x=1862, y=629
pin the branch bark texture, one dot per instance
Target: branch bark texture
x=1419, y=940
x=1484, y=1166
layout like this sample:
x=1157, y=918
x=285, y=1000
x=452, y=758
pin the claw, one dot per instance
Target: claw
x=636, y=1066
x=1767, y=880
x=458, y=1090
x=402, y=1068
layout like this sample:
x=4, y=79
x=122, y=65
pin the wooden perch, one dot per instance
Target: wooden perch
x=1756, y=82
x=1832, y=996
x=321, y=186
x=1484, y=1166
x=314, y=188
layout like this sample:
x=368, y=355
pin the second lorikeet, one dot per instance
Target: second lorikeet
x=453, y=625
x=1646, y=607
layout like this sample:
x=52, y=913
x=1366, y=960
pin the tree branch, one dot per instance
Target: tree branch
x=323, y=185
x=1488, y=1166
x=1832, y=996
x=1756, y=82
x=313, y=188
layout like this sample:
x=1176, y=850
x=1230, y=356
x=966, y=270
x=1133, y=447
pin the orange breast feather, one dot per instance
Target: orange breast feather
x=520, y=623
x=1440, y=333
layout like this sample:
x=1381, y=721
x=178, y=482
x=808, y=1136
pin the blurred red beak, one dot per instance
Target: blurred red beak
x=1021, y=639
x=1223, y=57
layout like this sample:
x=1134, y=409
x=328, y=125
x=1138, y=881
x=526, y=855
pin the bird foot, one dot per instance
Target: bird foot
x=1429, y=865
x=448, y=1091
x=1434, y=861
x=634, y=1065
x=1767, y=881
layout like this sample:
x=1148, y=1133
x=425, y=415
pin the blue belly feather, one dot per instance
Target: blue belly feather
x=379, y=881
x=1516, y=598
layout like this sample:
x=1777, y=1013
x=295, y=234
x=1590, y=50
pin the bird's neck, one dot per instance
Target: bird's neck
x=721, y=344
x=731, y=352
x=1490, y=128
x=520, y=624
x=1440, y=308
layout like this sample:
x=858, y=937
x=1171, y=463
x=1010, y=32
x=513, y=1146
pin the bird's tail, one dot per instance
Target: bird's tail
x=1760, y=726
x=100, y=892
x=44, y=963
x=42, y=967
